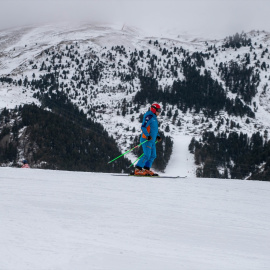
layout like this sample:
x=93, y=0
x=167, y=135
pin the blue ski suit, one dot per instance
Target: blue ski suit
x=149, y=128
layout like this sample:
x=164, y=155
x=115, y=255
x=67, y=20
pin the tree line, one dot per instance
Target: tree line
x=232, y=155
x=198, y=92
x=56, y=142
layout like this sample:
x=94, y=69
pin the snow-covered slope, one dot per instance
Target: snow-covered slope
x=72, y=220
x=24, y=50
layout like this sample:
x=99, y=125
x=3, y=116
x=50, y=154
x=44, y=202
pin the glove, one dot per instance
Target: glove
x=159, y=139
x=149, y=138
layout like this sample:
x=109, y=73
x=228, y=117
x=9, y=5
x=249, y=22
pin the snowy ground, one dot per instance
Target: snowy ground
x=13, y=96
x=57, y=220
x=182, y=161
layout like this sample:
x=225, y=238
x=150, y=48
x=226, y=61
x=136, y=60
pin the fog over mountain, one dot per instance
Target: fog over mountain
x=207, y=16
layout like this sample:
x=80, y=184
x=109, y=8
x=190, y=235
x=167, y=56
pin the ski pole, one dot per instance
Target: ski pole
x=128, y=151
x=138, y=158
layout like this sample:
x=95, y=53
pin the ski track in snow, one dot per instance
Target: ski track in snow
x=182, y=161
x=74, y=220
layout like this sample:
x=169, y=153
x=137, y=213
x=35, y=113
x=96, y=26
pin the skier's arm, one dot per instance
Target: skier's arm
x=145, y=125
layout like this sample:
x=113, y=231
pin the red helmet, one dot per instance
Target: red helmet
x=155, y=108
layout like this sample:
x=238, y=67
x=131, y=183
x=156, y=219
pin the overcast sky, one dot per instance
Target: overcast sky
x=228, y=16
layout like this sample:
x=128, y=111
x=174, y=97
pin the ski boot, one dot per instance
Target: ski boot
x=140, y=171
x=149, y=172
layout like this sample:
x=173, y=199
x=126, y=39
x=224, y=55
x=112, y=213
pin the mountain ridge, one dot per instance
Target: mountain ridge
x=101, y=70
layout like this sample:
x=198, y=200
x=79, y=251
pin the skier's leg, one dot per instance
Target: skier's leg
x=147, y=149
x=153, y=155
x=149, y=162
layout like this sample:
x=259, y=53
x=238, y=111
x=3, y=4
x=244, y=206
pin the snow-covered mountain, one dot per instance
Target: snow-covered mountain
x=98, y=67
x=76, y=220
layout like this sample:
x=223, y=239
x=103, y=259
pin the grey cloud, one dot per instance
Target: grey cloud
x=191, y=15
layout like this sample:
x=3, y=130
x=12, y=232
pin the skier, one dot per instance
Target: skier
x=25, y=164
x=149, y=134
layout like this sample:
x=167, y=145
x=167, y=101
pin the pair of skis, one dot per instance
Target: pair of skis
x=158, y=176
x=149, y=176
